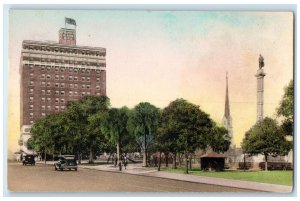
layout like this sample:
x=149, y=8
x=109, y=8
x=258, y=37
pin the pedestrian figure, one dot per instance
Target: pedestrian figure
x=120, y=165
x=125, y=161
x=116, y=160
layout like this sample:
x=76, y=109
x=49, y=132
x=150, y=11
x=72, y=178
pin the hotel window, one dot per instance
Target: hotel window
x=62, y=85
x=62, y=92
x=62, y=100
x=75, y=93
x=56, y=107
x=70, y=93
x=56, y=92
x=75, y=86
x=56, y=68
x=48, y=84
x=82, y=70
x=31, y=91
x=88, y=71
x=31, y=83
x=31, y=74
x=43, y=76
x=43, y=91
x=62, y=69
x=31, y=115
x=98, y=94
x=31, y=107
x=62, y=77
x=62, y=107
x=31, y=122
x=75, y=70
x=75, y=78
x=88, y=86
x=56, y=84
x=70, y=69
x=48, y=99
x=49, y=107
x=83, y=79
x=30, y=99
x=48, y=68
x=88, y=79
x=56, y=100
x=43, y=107
x=98, y=79
x=43, y=114
x=48, y=76
x=88, y=93
x=70, y=78
x=43, y=99
x=98, y=87
x=56, y=77
x=83, y=86
x=97, y=71
x=43, y=84
x=71, y=85
x=42, y=68
x=48, y=92
x=83, y=93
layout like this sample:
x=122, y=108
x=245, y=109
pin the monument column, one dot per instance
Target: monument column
x=260, y=89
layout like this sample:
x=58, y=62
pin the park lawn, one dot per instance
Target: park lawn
x=271, y=177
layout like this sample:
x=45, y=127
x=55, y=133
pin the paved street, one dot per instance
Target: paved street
x=43, y=178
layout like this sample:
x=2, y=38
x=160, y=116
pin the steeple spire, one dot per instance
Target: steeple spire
x=227, y=109
x=227, y=120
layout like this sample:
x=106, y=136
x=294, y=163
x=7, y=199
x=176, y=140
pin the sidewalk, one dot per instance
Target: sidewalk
x=137, y=169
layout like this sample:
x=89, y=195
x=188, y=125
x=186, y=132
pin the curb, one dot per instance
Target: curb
x=260, y=187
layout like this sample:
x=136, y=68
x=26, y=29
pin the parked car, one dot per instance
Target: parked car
x=66, y=162
x=28, y=159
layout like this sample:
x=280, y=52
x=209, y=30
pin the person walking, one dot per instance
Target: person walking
x=125, y=161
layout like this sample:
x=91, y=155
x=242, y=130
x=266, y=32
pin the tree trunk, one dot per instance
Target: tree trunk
x=159, y=162
x=266, y=162
x=91, y=159
x=45, y=155
x=167, y=160
x=175, y=165
x=186, y=164
x=145, y=152
x=190, y=162
x=118, y=153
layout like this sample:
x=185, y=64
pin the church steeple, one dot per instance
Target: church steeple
x=227, y=120
x=227, y=109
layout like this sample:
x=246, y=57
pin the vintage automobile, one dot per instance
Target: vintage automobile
x=28, y=159
x=66, y=162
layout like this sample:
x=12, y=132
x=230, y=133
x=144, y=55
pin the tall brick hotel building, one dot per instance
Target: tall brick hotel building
x=54, y=73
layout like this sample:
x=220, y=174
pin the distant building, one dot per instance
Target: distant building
x=53, y=74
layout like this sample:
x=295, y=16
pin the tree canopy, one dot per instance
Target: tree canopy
x=266, y=138
x=286, y=109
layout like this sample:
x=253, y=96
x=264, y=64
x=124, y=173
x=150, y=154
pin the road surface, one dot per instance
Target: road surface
x=43, y=178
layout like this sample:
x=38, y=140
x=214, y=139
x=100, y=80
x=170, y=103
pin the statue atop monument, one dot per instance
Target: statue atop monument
x=261, y=61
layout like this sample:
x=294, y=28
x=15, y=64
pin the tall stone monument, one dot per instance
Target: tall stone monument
x=260, y=89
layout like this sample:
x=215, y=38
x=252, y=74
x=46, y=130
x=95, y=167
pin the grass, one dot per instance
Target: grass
x=272, y=177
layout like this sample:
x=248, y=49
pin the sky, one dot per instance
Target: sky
x=159, y=56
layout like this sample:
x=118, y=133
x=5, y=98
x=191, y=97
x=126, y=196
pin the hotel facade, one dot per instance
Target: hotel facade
x=54, y=73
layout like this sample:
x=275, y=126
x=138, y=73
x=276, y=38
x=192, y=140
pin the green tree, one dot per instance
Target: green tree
x=115, y=126
x=143, y=123
x=286, y=108
x=187, y=126
x=83, y=123
x=41, y=132
x=219, y=140
x=266, y=138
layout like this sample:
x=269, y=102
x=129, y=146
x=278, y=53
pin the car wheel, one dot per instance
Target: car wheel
x=75, y=169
